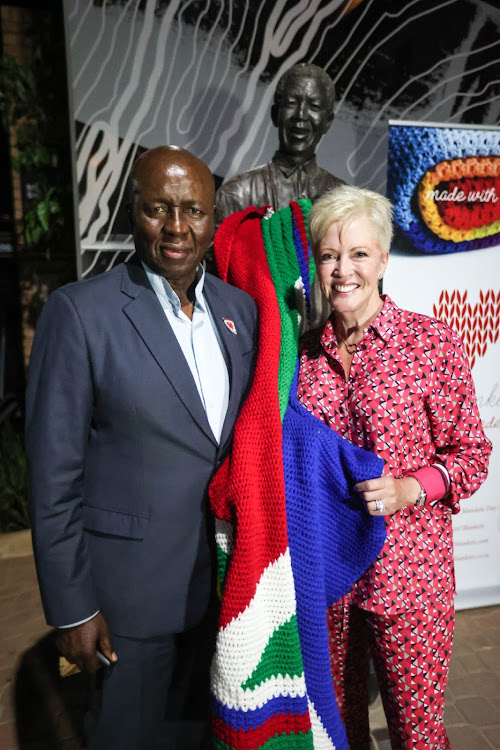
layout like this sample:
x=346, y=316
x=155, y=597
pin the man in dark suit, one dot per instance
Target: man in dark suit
x=136, y=378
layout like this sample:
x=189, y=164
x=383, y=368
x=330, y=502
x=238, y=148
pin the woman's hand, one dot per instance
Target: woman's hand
x=385, y=495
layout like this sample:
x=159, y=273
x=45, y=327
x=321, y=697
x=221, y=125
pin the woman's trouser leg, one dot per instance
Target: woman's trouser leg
x=411, y=653
x=350, y=663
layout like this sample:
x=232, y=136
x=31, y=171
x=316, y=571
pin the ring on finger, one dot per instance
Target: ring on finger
x=379, y=506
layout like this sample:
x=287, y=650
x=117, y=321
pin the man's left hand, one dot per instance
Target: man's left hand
x=79, y=643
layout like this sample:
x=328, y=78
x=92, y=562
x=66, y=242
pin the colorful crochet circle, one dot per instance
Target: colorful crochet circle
x=458, y=199
x=444, y=183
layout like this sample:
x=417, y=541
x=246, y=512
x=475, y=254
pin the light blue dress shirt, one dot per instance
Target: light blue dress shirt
x=199, y=341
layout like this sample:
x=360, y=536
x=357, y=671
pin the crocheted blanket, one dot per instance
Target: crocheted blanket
x=291, y=536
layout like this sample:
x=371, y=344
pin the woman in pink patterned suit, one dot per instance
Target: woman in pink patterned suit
x=399, y=384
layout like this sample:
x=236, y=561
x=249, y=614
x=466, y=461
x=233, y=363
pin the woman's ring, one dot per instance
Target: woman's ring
x=379, y=506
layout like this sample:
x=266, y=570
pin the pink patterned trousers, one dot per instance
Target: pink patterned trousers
x=411, y=653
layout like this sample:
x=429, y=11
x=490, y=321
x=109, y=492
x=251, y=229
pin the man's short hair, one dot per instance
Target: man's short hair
x=302, y=70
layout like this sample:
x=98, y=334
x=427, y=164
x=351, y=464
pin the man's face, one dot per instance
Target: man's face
x=302, y=117
x=172, y=213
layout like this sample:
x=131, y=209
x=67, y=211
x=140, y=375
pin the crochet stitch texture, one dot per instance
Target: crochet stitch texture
x=291, y=536
x=426, y=158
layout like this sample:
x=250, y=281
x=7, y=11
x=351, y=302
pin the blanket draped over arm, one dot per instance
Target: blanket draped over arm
x=292, y=537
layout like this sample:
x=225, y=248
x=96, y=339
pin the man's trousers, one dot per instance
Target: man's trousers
x=156, y=697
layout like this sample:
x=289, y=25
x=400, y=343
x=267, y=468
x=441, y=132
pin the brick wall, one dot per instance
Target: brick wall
x=14, y=24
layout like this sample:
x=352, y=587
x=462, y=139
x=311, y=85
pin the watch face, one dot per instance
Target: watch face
x=421, y=499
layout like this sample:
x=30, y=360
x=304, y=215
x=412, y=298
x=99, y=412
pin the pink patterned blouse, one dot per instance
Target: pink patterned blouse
x=410, y=399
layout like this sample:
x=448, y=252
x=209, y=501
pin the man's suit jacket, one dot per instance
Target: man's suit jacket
x=121, y=453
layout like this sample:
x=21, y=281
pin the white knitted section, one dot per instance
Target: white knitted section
x=241, y=643
x=252, y=698
x=321, y=738
x=224, y=535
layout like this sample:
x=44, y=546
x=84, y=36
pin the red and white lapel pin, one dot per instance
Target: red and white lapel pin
x=230, y=325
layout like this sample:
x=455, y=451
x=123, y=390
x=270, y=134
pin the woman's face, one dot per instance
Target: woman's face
x=349, y=263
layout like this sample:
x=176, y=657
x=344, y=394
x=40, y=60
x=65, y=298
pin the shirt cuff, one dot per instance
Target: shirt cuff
x=434, y=480
x=74, y=624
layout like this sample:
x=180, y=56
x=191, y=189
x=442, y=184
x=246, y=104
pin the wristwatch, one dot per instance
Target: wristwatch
x=422, y=497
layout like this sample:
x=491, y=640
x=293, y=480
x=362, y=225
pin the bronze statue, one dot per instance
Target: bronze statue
x=303, y=112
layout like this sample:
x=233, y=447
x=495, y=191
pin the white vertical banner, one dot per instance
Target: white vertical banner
x=444, y=183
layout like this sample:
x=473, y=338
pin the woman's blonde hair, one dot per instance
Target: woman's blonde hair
x=345, y=203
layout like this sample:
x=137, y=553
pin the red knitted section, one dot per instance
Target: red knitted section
x=249, y=488
x=478, y=206
x=280, y=724
x=301, y=226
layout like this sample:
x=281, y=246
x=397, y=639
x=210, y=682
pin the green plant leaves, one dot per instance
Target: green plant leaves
x=30, y=106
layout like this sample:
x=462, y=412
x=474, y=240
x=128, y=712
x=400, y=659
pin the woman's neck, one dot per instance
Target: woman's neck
x=349, y=328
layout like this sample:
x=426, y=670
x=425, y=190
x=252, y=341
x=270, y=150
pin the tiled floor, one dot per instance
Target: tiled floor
x=21, y=625
x=31, y=691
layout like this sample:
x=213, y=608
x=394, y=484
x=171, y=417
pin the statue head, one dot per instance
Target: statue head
x=303, y=109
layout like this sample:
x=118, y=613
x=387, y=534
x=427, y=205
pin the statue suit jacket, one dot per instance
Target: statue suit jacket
x=121, y=453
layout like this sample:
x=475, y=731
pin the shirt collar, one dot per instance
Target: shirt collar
x=385, y=320
x=383, y=325
x=164, y=291
x=287, y=166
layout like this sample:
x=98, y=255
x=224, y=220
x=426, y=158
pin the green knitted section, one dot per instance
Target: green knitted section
x=312, y=269
x=277, y=233
x=223, y=560
x=283, y=649
x=281, y=252
x=305, y=206
x=292, y=741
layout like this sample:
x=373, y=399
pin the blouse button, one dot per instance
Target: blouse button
x=363, y=346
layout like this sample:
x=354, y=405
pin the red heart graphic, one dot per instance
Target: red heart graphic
x=478, y=324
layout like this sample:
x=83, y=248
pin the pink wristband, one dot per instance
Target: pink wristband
x=434, y=482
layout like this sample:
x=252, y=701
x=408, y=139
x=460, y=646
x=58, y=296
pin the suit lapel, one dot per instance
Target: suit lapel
x=221, y=310
x=145, y=312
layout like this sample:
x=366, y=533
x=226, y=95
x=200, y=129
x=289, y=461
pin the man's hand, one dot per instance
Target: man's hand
x=79, y=644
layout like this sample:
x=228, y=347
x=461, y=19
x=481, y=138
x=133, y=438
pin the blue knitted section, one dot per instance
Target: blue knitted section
x=412, y=152
x=332, y=539
x=240, y=719
x=419, y=235
x=303, y=260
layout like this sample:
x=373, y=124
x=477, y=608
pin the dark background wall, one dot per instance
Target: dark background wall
x=202, y=75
